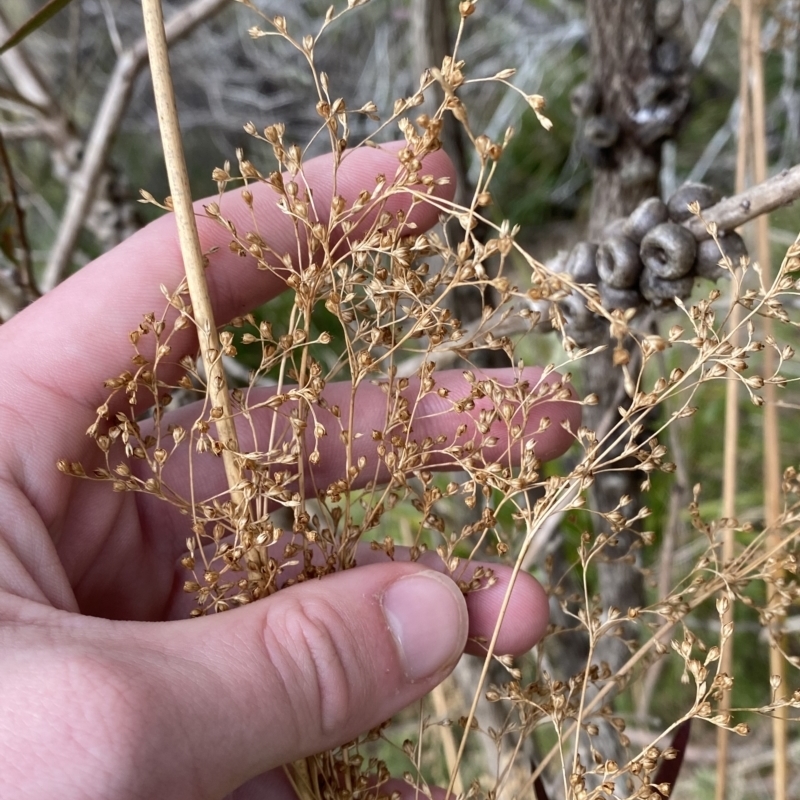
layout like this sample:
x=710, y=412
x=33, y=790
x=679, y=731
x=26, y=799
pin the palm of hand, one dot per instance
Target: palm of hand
x=74, y=555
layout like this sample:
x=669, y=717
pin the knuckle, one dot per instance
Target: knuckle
x=318, y=659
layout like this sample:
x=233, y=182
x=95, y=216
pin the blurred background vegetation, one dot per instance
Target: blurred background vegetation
x=79, y=126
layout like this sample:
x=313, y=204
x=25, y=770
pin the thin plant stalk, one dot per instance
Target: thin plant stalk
x=771, y=454
x=25, y=267
x=191, y=251
x=439, y=696
x=442, y=706
x=731, y=437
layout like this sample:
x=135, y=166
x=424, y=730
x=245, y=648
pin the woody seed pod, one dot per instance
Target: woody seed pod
x=582, y=325
x=601, y=131
x=584, y=99
x=678, y=204
x=618, y=262
x=708, y=257
x=619, y=298
x=668, y=250
x=644, y=218
x=581, y=262
x=661, y=291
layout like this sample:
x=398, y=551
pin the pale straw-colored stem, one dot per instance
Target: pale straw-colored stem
x=189, y=242
x=731, y=439
x=772, y=461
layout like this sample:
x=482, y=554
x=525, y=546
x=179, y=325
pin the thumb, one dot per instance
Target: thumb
x=306, y=670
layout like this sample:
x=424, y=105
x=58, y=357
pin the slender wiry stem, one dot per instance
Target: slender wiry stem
x=772, y=462
x=731, y=439
x=189, y=241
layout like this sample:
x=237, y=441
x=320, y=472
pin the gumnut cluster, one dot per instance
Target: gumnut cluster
x=647, y=259
x=650, y=114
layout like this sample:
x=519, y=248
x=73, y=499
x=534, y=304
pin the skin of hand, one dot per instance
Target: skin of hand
x=107, y=691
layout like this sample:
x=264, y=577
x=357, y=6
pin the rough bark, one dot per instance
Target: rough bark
x=637, y=92
x=622, y=44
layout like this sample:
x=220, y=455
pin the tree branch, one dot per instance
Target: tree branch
x=109, y=116
x=778, y=191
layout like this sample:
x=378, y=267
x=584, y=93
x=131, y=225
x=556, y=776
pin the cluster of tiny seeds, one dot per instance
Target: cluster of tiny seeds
x=390, y=297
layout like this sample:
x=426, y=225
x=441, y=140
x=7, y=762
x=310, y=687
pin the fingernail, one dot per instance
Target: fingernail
x=427, y=617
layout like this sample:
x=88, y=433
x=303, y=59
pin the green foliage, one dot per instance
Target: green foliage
x=46, y=13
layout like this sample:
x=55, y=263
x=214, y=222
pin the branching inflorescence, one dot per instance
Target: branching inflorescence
x=371, y=304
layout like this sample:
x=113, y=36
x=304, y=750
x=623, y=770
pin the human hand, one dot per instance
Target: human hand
x=100, y=701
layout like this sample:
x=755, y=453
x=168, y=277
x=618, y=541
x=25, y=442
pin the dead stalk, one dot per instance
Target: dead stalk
x=190, y=243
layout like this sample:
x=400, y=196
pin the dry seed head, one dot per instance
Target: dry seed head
x=388, y=279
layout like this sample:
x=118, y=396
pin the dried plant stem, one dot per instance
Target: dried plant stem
x=187, y=233
x=562, y=499
x=442, y=708
x=485, y=670
x=680, y=495
x=729, y=491
x=772, y=464
x=25, y=268
x=711, y=589
x=439, y=695
x=731, y=438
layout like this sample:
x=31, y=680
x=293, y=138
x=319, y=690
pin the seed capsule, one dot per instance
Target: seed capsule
x=678, y=204
x=618, y=262
x=708, y=257
x=644, y=218
x=662, y=291
x=669, y=250
x=619, y=298
x=581, y=263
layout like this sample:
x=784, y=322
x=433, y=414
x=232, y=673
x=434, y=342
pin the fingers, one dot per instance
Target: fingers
x=526, y=616
x=523, y=624
x=306, y=670
x=96, y=309
x=195, y=709
x=456, y=431
x=430, y=417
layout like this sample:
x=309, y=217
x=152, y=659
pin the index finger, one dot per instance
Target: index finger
x=77, y=335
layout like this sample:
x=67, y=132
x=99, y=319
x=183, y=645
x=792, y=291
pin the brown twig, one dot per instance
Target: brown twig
x=24, y=268
x=780, y=190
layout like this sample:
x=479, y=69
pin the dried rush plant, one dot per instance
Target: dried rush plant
x=387, y=328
